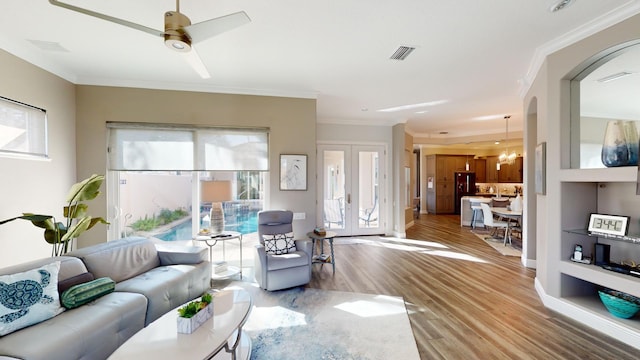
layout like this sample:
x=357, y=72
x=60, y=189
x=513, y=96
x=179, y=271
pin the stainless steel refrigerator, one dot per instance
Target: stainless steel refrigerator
x=465, y=186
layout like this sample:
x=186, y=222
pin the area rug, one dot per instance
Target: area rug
x=305, y=324
x=498, y=244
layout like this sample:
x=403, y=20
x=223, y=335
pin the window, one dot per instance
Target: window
x=162, y=180
x=23, y=129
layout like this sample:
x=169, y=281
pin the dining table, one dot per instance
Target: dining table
x=509, y=214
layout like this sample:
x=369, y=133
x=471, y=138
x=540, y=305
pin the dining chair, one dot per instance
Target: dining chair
x=495, y=224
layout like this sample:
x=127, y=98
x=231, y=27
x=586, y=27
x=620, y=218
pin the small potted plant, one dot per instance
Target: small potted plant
x=194, y=314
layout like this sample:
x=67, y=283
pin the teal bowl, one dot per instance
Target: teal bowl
x=619, y=304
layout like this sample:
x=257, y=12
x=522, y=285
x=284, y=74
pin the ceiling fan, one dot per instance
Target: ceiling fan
x=179, y=34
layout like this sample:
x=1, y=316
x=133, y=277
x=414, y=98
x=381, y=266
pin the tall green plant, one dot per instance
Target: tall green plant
x=59, y=234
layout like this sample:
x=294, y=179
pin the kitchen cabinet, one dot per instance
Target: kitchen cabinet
x=441, y=170
x=511, y=173
x=480, y=168
x=491, y=172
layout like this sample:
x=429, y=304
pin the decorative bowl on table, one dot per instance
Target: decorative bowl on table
x=620, y=304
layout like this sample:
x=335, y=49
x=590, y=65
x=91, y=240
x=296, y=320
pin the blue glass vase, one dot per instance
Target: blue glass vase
x=631, y=135
x=615, y=151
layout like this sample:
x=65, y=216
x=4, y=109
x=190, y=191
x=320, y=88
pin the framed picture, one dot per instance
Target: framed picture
x=540, y=170
x=293, y=172
x=608, y=224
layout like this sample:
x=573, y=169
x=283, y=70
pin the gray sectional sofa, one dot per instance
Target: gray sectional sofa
x=150, y=280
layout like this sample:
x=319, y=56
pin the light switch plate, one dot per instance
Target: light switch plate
x=299, y=216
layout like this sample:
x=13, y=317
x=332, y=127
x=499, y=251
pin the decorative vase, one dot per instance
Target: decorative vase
x=615, y=151
x=631, y=135
x=217, y=218
x=189, y=325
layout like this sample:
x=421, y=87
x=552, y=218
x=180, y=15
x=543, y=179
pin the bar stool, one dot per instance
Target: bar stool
x=477, y=210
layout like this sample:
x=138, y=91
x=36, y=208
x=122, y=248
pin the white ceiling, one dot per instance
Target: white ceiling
x=476, y=56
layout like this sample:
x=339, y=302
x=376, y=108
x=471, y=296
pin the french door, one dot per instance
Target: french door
x=350, y=189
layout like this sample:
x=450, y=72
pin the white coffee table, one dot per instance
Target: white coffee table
x=221, y=337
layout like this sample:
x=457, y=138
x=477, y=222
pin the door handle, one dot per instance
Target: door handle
x=348, y=198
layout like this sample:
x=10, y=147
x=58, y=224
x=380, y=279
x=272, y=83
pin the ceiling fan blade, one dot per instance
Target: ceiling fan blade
x=108, y=18
x=196, y=63
x=206, y=29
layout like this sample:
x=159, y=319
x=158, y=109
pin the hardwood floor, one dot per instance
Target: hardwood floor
x=465, y=300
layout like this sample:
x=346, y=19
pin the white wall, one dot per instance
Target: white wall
x=34, y=185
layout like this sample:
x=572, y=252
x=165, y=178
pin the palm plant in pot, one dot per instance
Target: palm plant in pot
x=77, y=221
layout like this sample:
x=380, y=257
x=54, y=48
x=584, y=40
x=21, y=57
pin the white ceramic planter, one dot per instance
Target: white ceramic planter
x=189, y=325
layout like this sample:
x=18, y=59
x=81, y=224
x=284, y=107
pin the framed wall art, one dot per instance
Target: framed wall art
x=540, y=170
x=293, y=172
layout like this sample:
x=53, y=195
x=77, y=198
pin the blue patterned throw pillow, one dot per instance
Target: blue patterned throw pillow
x=29, y=297
x=279, y=244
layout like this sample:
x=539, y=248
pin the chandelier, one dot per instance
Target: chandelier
x=507, y=157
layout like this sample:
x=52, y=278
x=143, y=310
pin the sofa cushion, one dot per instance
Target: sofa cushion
x=74, y=280
x=81, y=294
x=178, y=254
x=29, y=297
x=119, y=259
x=92, y=331
x=278, y=244
x=167, y=287
x=69, y=266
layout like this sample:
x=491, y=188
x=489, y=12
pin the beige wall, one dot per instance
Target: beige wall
x=35, y=185
x=550, y=94
x=291, y=122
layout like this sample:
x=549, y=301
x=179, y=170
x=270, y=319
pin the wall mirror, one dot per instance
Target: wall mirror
x=606, y=91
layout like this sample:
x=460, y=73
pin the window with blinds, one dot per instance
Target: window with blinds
x=157, y=148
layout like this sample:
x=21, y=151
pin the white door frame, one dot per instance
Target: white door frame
x=351, y=187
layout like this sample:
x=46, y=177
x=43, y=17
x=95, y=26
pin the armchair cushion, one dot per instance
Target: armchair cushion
x=278, y=244
x=285, y=261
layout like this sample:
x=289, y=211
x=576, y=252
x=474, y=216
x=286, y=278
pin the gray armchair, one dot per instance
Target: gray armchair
x=275, y=272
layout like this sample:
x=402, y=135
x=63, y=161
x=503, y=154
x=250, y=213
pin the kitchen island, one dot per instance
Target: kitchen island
x=466, y=213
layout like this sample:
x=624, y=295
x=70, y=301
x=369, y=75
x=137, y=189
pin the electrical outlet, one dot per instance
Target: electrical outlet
x=299, y=216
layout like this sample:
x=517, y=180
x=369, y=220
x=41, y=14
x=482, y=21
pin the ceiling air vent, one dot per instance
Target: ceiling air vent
x=402, y=52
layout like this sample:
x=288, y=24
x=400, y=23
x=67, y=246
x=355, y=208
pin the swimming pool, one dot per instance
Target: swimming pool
x=243, y=224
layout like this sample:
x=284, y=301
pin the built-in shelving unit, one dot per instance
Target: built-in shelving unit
x=606, y=191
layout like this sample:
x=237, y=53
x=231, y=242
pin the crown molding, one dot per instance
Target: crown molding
x=186, y=86
x=611, y=18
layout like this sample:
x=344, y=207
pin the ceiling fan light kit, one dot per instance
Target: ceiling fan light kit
x=174, y=36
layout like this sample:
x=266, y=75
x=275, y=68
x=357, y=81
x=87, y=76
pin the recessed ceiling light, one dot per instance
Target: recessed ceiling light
x=560, y=5
x=413, y=106
x=48, y=45
x=422, y=112
x=496, y=142
x=615, y=76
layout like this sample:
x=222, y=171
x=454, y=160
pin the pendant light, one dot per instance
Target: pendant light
x=506, y=157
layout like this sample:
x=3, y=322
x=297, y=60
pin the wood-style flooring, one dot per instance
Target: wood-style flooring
x=465, y=300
